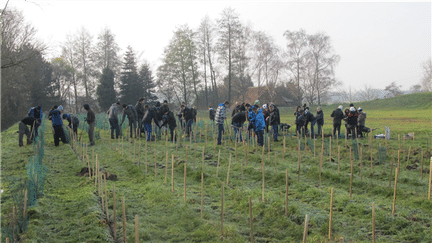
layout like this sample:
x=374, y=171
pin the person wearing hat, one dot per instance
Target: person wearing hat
x=220, y=119
x=73, y=122
x=319, y=120
x=57, y=125
x=337, y=115
x=361, y=121
x=91, y=121
x=352, y=120
x=23, y=129
x=36, y=112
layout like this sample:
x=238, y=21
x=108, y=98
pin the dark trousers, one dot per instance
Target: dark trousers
x=260, y=137
x=237, y=132
x=275, y=130
x=319, y=128
x=336, y=127
x=59, y=134
x=360, y=130
x=114, y=127
x=23, y=129
x=148, y=129
x=352, y=129
x=220, y=132
x=189, y=127
x=172, y=133
x=132, y=126
x=140, y=126
x=91, y=133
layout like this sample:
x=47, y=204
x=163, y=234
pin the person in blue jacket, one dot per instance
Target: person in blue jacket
x=36, y=112
x=57, y=124
x=259, y=127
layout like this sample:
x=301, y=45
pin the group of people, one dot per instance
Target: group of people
x=259, y=118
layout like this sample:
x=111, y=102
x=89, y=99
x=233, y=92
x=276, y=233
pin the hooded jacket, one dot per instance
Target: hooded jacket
x=55, y=117
x=188, y=113
x=130, y=112
x=170, y=120
x=259, y=121
x=220, y=114
x=113, y=112
x=239, y=118
x=211, y=114
x=274, y=117
x=362, y=118
x=337, y=116
x=139, y=109
x=150, y=115
x=320, y=117
x=35, y=113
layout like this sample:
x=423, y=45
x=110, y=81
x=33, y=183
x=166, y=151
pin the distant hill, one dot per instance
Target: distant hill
x=419, y=101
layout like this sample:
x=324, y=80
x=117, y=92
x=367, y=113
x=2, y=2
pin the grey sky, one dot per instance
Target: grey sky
x=378, y=42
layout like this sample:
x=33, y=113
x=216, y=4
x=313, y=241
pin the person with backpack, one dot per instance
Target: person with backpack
x=220, y=119
x=57, y=125
x=113, y=119
x=131, y=113
x=36, y=112
x=91, y=121
x=73, y=122
x=337, y=115
x=23, y=129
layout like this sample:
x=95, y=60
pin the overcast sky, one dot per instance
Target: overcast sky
x=378, y=42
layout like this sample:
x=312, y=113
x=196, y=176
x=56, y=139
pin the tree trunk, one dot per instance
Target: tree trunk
x=229, y=64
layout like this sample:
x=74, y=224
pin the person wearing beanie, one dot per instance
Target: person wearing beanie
x=337, y=120
x=319, y=119
x=73, y=122
x=57, y=126
x=91, y=120
x=352, y=120
x=361, y=121
x=23, y=129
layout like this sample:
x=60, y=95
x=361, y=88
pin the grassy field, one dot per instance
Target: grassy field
x=71, y=210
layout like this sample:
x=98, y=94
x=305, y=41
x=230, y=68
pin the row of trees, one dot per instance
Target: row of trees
x=228, y=50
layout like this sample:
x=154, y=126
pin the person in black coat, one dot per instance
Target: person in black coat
x=139, y=107
x=274, y=121
x=23, y=129
x=337, y=115
x=309, y=118
x=147, y=120
x=212, y=114
x=187, y=118
x=320, y=120
x=57, y=124
x=237, y=122
x=169, y=118
x=73, y=122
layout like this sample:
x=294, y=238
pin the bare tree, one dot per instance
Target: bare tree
x=426, y=82
x=83, y=49
x=393, y=89
x=368, y=93
x=69, y=56
x=297, y=48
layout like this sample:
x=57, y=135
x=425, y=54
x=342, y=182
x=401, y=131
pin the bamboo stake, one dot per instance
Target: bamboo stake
x=246, y=153
x=398, y=159
x=114, y=212
x=330, y=150
x=320, y=164
x=409, y=152
x=331, y=214
x=371, y=161
x=202, y=166
x=251, y=219
x=399, y=139
x=184, y=187
x=136, y=229
x=146, y=156
x=235, y=146
x=155, y=167
x=229, y=165
x=101, y=185
x=202, y=193
x=373, y=223
x=263, y=179
x=88, y=166
x=422, y=165
x=222, y=208
x=284, y=144
x=217, y=168
x=391, y=172
x=351, y=180
x=166, y=167
x=346, y=137
x=172, y=172
x=286, y=193
x=134, y=157
x=298, y=166
x=338, y=158
x=96, y=171
x=124, y=219
x=25, y=203
x=314, y=149
x=413, y=138
x=430, y=180
x=106, y=199
x=305, y=231
x=394, y=194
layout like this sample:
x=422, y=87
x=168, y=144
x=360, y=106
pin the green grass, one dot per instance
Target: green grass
x=70, y=210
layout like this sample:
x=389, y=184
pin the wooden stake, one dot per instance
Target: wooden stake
x=320, y=164
x=124, y=219
x=155, y=163
x=398, y=159
x=184, y=187
x=136, y=229
x=391, y=172
x=202, y=166
x=373, y=222
x=399, y=142
x=217, y=168
x=114, y=212
x=172, y=172
x=263, y=180
x=251, y=219
x=96, y=171
x=338, y=158
x=430, y=180
x=202, y=193
x=421, y=171
x=25, y=203
x=361, y=163
x=286, y=193
x=106, y=199
x=305, y=231
x=409, y=152
x=166, y=167
x=242, y=175
x=134, y=150
x=299, y=158
x=146, y=156
x=394, y=194
x=331, y=214
x=222, y=208
x=351, y=180
x=229, y=165
x=246, y=153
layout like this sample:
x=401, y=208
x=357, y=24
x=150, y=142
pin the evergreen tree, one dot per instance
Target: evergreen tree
x=130, y=88
x=146, y=79
x=105, y=91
